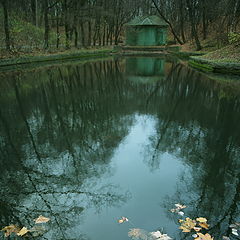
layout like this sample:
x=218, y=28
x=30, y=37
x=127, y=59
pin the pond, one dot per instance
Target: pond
x=89, y=142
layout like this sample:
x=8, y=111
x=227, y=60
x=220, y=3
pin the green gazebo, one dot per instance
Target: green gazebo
x=146, y=31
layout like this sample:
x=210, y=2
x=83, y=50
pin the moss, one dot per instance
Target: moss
x=56, y=57
x=186, y=55
x=201, y=66
x=215, y=66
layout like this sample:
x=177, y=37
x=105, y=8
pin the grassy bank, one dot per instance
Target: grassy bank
x=68, y=55
x=224, y=60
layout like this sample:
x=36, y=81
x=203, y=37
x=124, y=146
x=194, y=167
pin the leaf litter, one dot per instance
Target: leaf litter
x=141, y=234
x=36, y=230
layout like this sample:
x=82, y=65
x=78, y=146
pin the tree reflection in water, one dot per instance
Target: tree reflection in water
x=60, y=131
x=199, y=125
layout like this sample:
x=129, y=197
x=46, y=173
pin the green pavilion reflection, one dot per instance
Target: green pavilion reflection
x=145, y=69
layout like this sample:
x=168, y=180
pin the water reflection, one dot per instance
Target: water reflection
x=59, y=134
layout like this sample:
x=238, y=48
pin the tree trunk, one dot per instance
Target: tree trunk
x=46, y=25
x=58, y=33
x=89, y=33
x=66, y=24
x=193, y=24
x=204, y=20
x=33, y=13
x=82, y=34
x=182, y=22
x=76, y=37
x=6, y=25
x=104, y=34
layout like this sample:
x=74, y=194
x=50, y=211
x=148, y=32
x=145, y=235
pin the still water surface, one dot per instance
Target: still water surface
x=88, y=143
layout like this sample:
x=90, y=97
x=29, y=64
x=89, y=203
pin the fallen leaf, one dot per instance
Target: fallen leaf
x=123, y=219
x=180, y=206
x=23, y=231
x=234, y=231
x=10, y=229
x=187, y=225
x=225, y=238
x=137, y=233
x=159, y=236
x=201, y=220
x=181, y=213
x=156, y=234
x=235, y=225
x=204, y=237
x=204, y=225
x=41, y=219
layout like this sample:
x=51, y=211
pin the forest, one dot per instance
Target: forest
x=63, y=24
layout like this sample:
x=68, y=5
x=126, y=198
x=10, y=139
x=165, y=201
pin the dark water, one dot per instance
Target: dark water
x=87, y=143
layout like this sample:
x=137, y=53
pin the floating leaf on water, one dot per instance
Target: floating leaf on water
x=8, y=230
x=41, y=219
x=180, y=206
x=204, y=225
x=123, y=219
x=187, y=225
x=201, y=220
x=225, y=238
x=235, y=232
x=23, y=231
x=158, y=235
x=181, y=213
x=235, y=225
x=204, y=237
x=137, y=233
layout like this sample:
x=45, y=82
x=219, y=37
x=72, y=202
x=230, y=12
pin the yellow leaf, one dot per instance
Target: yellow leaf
x=204, y=237
x=23, y=231
x=204, y=225
x=201, y=220
x=187, y=225
x=180, y=206
x=123, y=219
x=41, y=219
x=10, y=229
x=184, y=229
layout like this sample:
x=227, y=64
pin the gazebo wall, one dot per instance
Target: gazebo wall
x=146, y=35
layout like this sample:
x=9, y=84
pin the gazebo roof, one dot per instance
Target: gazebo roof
x=147, y=21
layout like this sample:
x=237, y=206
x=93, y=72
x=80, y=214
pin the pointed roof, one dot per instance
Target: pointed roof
x=147, y=21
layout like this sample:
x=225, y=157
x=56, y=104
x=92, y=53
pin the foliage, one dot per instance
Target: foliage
x=24, y=32
x=234, y=38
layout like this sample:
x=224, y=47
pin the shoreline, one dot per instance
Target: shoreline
x=214, y=66
x=195, y=60
x=60, y=57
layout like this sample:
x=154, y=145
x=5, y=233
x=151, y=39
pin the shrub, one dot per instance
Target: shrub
x=234, y=38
